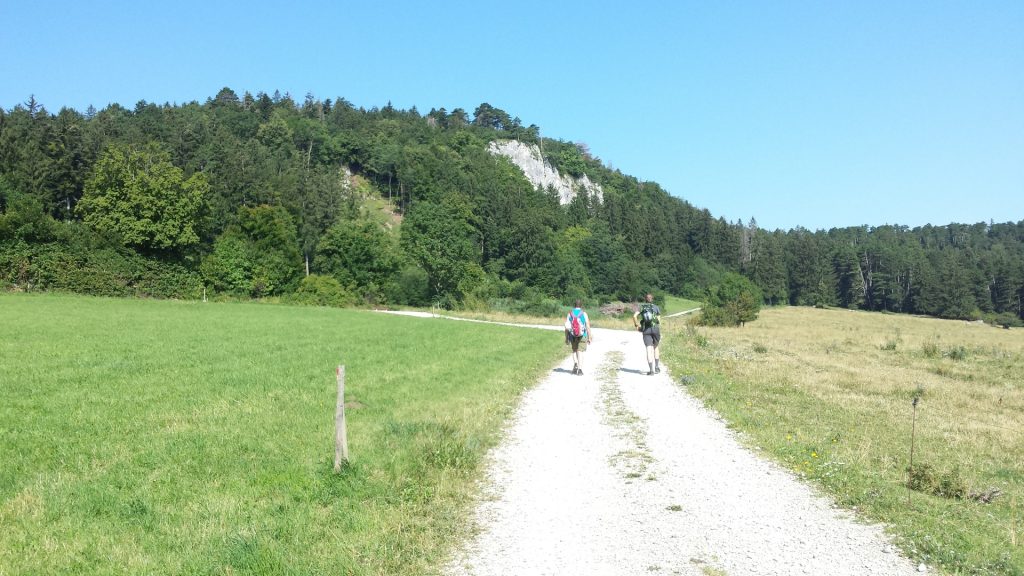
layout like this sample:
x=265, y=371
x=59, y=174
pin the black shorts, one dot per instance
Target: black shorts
x=573, y=341
x=652, y=337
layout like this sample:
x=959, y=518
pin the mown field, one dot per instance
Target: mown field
x=673, y=304
x=156, y=437
x=828, y=393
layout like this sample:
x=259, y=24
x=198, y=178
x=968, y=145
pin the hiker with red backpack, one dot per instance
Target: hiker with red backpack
x=577, y=329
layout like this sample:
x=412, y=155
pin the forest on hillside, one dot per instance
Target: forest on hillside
x=324, y=202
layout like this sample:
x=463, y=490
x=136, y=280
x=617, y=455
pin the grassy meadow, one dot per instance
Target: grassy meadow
x=673, y=304
x=158, y=437
x=829, y=394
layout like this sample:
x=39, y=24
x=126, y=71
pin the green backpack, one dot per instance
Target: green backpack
x=648, y=316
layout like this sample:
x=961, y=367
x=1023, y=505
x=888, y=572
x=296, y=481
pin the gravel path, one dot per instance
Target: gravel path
x=619, y=473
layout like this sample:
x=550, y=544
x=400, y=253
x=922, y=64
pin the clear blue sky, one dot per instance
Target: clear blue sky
x=809, y=113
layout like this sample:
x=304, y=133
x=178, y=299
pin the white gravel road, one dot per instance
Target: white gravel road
x=617, y=473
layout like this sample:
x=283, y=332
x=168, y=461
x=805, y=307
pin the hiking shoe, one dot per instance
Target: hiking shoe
x=649, y=373
x=579, y=372
x=575, y=369
x=657, y=370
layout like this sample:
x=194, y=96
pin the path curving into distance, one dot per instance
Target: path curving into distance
x=620, y=473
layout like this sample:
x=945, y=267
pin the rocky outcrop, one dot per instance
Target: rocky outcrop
x=541, y=174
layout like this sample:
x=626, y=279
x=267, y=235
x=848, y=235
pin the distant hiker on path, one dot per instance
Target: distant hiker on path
x=577, y=329
x=647, y=319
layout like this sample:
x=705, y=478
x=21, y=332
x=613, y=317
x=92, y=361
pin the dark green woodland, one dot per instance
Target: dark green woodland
x=323, y=202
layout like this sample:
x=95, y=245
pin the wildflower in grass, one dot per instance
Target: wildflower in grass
x=814, y=454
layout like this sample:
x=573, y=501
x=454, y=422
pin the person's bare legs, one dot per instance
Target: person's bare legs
x=653, y=357
x=577, y=357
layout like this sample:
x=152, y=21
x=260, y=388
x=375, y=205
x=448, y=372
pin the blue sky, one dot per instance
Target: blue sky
x=814, y=114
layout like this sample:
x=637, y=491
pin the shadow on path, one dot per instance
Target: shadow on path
x=633, y=371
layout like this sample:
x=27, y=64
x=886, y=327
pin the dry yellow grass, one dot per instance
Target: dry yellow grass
x=829, y=393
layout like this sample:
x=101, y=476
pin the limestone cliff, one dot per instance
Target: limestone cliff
x=541, y=174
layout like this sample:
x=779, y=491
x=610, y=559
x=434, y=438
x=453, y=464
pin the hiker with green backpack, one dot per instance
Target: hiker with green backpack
x=647, y=319
x=577, y=329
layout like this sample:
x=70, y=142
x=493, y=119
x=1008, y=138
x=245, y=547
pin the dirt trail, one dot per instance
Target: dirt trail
x=617, y=473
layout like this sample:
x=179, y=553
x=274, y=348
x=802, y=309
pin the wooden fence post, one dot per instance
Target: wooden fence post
x=340, y=434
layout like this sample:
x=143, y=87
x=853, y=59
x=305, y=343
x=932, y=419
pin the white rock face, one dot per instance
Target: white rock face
x=541, y=174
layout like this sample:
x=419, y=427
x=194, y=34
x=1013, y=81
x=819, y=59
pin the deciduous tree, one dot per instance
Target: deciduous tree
x=138, y=195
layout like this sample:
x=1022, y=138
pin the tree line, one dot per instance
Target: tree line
x=322, y=201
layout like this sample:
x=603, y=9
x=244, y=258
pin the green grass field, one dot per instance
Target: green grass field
x=675, y=304
x=828, y=393
x=156, y=437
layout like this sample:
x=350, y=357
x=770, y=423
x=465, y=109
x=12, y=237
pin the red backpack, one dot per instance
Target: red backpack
x=576, y=326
